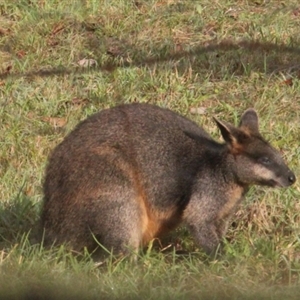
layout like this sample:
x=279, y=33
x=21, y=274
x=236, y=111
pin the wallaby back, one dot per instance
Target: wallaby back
x=133, y=172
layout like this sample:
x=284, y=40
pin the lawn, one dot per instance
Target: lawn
x=61, y=61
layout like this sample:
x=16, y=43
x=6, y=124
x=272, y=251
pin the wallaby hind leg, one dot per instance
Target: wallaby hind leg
x=118, y=225
x=100, y=200
x=114, y=219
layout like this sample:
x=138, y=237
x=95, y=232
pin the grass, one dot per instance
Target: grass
x=219, y=56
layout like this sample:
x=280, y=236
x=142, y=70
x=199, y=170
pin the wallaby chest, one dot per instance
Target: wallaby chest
x=232, y=197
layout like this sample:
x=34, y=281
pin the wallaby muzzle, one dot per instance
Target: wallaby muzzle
x=288, y=180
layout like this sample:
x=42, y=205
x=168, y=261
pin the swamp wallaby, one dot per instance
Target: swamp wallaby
x=133, y=172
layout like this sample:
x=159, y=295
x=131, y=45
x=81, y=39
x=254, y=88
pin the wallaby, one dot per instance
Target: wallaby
x=129, y=174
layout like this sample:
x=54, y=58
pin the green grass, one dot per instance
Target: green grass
x=221, y=56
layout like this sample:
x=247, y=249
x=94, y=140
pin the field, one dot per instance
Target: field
x=61, y=61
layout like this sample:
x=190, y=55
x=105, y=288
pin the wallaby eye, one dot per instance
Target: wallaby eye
x=264, y=160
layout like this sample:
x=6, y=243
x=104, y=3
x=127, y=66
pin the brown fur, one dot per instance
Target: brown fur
x=234, y=196
x=130, y=174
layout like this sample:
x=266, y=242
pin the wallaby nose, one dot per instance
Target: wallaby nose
x=292, y=178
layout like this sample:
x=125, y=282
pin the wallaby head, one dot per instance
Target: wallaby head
x=253, y=159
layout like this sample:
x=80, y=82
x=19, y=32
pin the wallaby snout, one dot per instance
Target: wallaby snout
x=291, y=178
x=287, y=180
x=129, y=174
x=269, y=177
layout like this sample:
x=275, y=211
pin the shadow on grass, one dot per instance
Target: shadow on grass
x=18, y=217
x=207, y=57
x=241, y=56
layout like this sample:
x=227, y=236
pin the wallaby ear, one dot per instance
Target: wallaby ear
x=249, y=121
x=227, y=131
x=234, y=137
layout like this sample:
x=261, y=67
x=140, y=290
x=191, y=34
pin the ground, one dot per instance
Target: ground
x=60, y=61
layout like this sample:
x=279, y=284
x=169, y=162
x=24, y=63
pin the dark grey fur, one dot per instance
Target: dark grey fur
x=128, y=174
